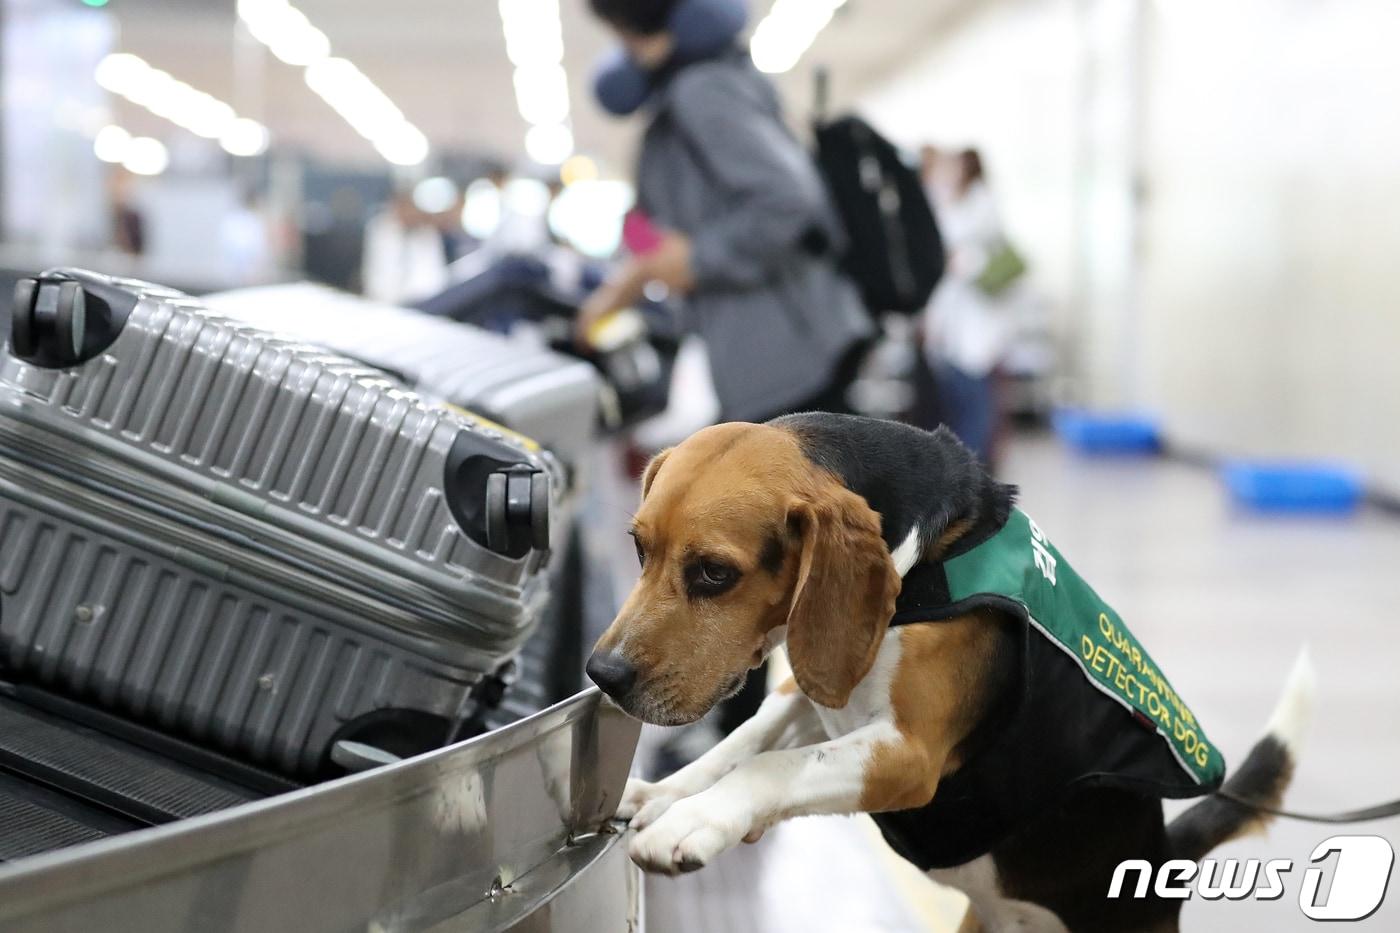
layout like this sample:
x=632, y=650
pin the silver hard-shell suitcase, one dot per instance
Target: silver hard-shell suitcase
x=550, y=398
x=251, y=541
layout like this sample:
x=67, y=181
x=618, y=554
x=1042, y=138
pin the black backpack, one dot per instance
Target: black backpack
x=895, y=253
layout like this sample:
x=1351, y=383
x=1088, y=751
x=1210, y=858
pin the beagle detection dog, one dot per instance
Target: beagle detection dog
x=952, y=676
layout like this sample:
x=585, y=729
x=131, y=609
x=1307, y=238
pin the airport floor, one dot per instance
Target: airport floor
x=1224, y=601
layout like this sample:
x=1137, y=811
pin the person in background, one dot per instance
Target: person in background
x=736, y=220
x=246, y=242
x=966, y=331
x=744, y=230
x=523, y=227
x=333, y=239
x=128, y=223
x=405, y=256
x=925, y=410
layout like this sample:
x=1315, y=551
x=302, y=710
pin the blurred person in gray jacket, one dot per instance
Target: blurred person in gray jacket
x=743, y=227
x=738, y=221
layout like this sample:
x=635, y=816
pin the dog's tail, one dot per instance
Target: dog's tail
x=1262, y=777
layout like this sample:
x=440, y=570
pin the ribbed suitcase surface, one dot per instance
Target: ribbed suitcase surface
x=246, y=539
x=318, y=442
x=551, y=398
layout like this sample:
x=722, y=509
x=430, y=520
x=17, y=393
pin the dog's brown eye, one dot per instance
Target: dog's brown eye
x=715, y=574
x=641, y=552
x=710, y=577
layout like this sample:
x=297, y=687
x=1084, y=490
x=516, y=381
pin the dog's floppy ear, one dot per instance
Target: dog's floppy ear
x=844, y=595
x=654, y=467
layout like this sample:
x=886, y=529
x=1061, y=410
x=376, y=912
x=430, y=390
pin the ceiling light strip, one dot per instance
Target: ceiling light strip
x=291, y=37
x=534, y=37
x=788, y=31
x=140, y=155
x=132, y=77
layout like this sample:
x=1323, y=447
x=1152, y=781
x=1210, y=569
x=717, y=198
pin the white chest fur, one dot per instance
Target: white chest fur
x=870, y=702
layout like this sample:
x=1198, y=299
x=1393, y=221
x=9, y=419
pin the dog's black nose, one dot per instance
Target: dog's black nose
x=612, y=672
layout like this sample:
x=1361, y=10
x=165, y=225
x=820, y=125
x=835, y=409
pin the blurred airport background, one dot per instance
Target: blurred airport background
x=1199, y=201
x=1205, y=195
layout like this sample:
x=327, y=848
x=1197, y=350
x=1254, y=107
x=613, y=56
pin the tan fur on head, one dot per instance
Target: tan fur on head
x=806, y=553
x=844, y=595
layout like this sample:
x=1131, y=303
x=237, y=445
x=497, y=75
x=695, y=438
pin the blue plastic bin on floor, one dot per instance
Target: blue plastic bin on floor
x=1295, y=487
x=1107, y=433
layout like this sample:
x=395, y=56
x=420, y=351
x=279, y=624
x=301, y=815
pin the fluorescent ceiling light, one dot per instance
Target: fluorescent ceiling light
x=145, y=156
x=534, y=34
x=355, y=97
x=549, y=143
x=119, y=70
x=111, y=144
x=534, y=39
x=133, y=78
x=542, y=93
x=244, y=137
x=788, y=31
x=435, y=195
x=526, y=47
x=285, y=30
x=481, y=209
x=406, y=146
x=290, y=36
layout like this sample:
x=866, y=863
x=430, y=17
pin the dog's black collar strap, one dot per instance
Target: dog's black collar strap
x=924, y=597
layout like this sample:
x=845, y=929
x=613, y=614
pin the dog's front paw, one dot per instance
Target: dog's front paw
x=643, y=803
x=689, y=835
x=634, y=796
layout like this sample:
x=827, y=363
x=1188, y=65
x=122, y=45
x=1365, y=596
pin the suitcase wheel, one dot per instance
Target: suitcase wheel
x=63, y=318
x=70, y=323
x=497, y=530
x=22, y=319
x=539, y=511
x=498, y=498
x=517, y=511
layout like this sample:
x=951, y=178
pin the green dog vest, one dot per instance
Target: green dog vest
x=1088, y=705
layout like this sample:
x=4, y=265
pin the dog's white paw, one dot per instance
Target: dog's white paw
x=634, y=796
x=689, y=834
x=655, y=807
x=643, y=801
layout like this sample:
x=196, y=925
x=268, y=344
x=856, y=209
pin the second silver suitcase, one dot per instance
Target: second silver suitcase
x=553, y=399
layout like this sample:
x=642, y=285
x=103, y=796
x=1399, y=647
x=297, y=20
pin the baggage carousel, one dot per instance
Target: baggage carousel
x=141, y=790
x=509, y=830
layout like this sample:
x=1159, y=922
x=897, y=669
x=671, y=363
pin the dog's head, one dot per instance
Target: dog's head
x=742, y=539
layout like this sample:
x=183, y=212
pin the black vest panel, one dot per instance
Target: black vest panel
x=1053, y=731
